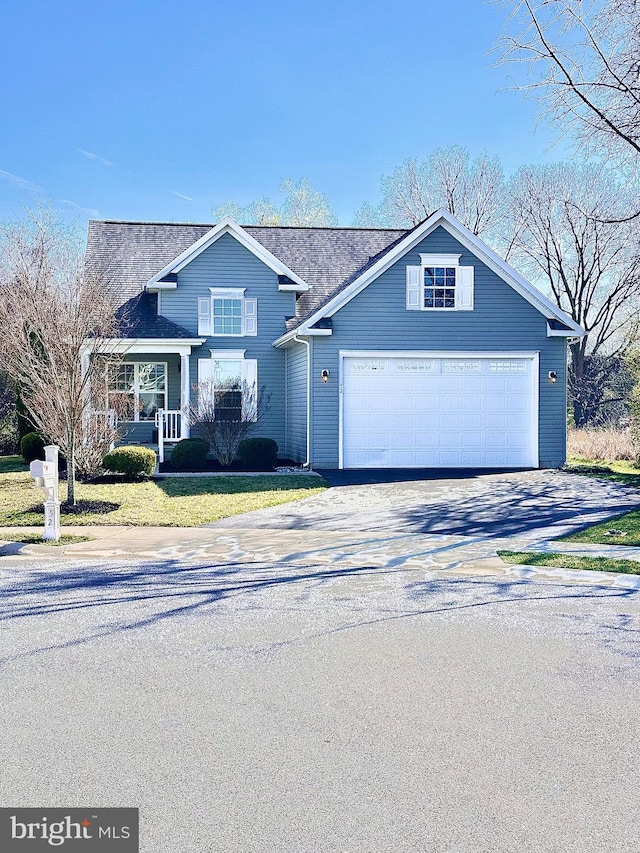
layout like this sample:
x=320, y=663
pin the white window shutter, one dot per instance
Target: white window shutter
x=204, y=315
x=250, y=317
x=414, y=288
x=250, y=381
x=205, y=382
x=464, y=289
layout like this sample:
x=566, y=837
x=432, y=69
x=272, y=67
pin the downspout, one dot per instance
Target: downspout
x=298, y=340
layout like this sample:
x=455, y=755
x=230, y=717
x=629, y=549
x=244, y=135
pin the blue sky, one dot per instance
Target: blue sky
x=163, y=110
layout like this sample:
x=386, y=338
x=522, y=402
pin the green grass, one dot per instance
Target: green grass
x=35, y=539
x=629, y=523
x=619, y=471
x=12, y=464
x=171, y=502
x=626, y=527
x=570, y=561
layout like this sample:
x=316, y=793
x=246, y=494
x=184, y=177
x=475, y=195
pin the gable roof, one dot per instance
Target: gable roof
x=409, y=240
x=225, y=226
x=328, y=266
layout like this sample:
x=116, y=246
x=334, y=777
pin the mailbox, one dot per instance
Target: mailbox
x=38, y=468
x=45, y=475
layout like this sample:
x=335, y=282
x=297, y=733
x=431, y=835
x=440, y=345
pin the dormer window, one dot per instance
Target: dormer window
x=439, y=284
x=439, y=290
x=227, y=313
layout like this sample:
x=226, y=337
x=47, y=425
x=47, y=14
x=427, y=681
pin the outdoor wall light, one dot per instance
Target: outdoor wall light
x=324, y=375
x=553, y=376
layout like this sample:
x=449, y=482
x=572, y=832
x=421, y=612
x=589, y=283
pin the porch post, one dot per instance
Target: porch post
x=185, y=396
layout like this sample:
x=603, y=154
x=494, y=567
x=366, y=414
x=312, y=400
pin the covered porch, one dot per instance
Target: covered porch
x=148, y=391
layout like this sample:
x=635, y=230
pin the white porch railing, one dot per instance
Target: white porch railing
x=171, y=428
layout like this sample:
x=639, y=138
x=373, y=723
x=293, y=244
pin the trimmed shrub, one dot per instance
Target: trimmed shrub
x=32, y=446
x=132, y=461
x=190, y=454
x=259, y=454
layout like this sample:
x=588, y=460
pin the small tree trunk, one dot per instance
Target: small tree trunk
x=71, y=476
x=577, y=382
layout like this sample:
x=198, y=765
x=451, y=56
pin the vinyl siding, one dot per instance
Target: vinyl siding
x=377, y=319
x=296, y=357
x=227, y=263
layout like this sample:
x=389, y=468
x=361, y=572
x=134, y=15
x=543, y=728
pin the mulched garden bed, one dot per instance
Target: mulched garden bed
x=215, y=467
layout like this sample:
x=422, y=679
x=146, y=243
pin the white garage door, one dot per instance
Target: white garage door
x=438, y=412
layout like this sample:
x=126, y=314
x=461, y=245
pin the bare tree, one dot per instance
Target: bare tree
x=51, y=304
x=473, y=191
x=303, y=205
x=583, y=61
x=224, y=418
x=560, y=240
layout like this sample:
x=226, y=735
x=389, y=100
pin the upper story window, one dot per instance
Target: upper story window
x=227, y=313
x=227, y=316
x=439, y=284
x=439, y=289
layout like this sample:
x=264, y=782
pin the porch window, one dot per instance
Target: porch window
x=136, y=390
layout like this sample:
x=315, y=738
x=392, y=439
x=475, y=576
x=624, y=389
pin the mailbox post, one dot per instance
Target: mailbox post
x=45, y=475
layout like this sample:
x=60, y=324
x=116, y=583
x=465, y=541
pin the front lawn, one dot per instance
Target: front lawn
x=170, y=502
x=12, y=464
x=623, y=530
x=619, y=471
x=628, y=524
x=570, y=561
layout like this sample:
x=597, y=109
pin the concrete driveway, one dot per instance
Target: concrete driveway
x=496, y=506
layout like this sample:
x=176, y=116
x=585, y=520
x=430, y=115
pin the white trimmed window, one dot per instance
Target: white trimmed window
x=228, y=382
x=439, y=284
x=227, y=313
x=136, y=390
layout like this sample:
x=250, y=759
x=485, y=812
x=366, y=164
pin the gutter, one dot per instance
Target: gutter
x=307, y=463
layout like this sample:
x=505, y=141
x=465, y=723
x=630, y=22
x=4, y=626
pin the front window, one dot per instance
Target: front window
x=227, y=389
x=439, y=287
x=136, y=390
x=227, y=316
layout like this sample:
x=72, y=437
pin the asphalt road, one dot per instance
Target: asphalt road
x=266, y=708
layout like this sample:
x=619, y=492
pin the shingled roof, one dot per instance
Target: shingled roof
x=327, y=259
x=138, y=318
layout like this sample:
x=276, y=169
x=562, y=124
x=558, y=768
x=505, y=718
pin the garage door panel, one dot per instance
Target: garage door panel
x=424, y=402
x=437, y=412
x=494, y=385
x=497, y=403
x=470, y=403
x=517, y=421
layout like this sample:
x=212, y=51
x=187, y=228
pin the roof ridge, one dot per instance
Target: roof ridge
x=213, y=224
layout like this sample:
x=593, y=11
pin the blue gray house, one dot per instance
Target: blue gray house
x=380, y=348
